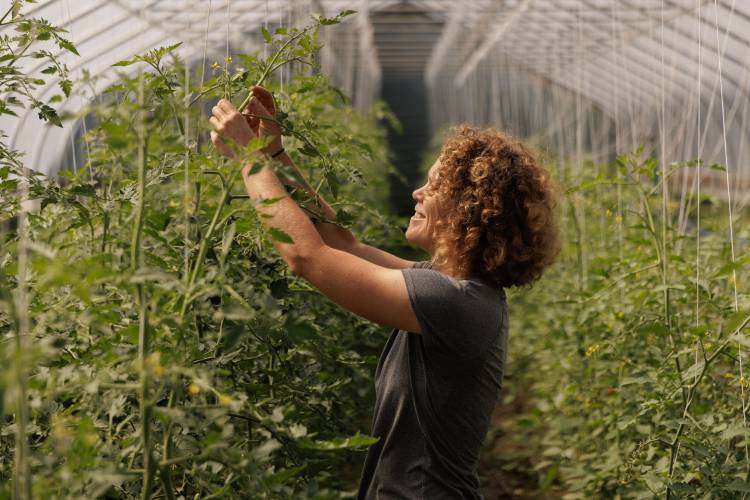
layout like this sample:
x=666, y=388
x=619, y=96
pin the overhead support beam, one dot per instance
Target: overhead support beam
x=490, y=42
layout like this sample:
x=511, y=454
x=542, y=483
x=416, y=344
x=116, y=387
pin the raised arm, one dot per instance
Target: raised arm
x=333, y=235
x=369, y=290
x=339, y=237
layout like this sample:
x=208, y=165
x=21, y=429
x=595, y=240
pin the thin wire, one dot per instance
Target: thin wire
x=265, y=25
x=66, y=7
x=700, y=159
x=698, y=195
x=205, y=44
x=228, y=24
x=186, y=184
x=281, y=72
x=731, y=223
x=617, y=138
x=227, y=88
x=664, y=188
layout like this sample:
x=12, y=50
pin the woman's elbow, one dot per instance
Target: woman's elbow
x=302, y=261
x=296, y=265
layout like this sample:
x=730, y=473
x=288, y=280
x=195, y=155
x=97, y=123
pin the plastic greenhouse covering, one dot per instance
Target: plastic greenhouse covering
x=628, y=69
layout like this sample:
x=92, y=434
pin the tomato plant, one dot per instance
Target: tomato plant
x=631, y=369
x=164, y=350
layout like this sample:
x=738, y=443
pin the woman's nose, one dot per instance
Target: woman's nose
x=416, y=194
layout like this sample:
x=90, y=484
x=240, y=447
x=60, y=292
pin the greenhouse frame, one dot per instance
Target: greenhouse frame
x=162, y=334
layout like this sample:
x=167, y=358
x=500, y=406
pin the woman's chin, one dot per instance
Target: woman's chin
x=410, y=236
x=413, y=237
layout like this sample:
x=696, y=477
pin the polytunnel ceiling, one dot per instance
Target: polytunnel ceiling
x=602, y=47
x=547, y=37
x=597, y=48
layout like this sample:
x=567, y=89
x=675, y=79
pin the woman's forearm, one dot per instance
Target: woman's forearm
x=334, y=235
x=285, y=215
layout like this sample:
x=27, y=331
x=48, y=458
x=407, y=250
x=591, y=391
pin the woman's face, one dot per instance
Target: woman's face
x=427, y=212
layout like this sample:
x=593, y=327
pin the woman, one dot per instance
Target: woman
x=486, y=216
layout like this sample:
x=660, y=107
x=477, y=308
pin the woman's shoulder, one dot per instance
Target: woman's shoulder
x=458, y=316
x=472, y=286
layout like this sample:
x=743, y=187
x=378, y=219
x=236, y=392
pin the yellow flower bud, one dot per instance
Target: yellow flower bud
x=90, y=439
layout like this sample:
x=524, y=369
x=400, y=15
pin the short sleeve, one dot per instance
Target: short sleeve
x=456, y=318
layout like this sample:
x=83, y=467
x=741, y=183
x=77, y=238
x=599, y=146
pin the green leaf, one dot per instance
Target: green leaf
x=279, y=235
x=307, y=150
x=344, y=217
x=257, y=143
x=83, y=190
x=266, y=35
x=127, y=62
x=267, y=202
x=333, y=183
x=117, y=135
x=284, y=475
x=353, y=442
x=47, y=113
x=683, y=488
x=306, y=43
x=737, y=265
x=65, y=44
x=66, y=86
x=736, y=320
x=257, y=167
x=738, y=485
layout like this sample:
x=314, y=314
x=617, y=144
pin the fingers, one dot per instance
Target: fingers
x=217, y=124
x=226, y=107
x=253, y=121
x=257, y=108
x=265, y=97
x=220, y=146
x=218, y=112
x=229, y=124
x=225, y=115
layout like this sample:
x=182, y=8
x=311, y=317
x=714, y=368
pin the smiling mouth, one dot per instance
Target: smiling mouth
x=417, y=215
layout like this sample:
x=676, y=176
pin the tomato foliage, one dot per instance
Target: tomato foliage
x=627, y=353
x=168, y=351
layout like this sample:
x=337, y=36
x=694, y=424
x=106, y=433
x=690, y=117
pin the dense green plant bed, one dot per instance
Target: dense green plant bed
x=625, y=359
x=152, y=342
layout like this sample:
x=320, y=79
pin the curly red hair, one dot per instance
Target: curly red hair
x=501, y=223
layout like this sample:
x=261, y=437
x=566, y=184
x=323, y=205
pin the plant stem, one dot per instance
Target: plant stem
x=205, y=242
x=157, y=67
x=165, y=474
x=691, y=390
x=143, y=327
x=579, y=243
x=269, y=66
x=19, y=310
x=2, y=19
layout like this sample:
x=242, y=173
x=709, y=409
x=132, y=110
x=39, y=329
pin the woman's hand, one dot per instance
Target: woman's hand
x=229, y=123
x=262, y=105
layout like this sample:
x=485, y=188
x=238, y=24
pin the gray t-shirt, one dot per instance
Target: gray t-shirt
x=436, y=391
